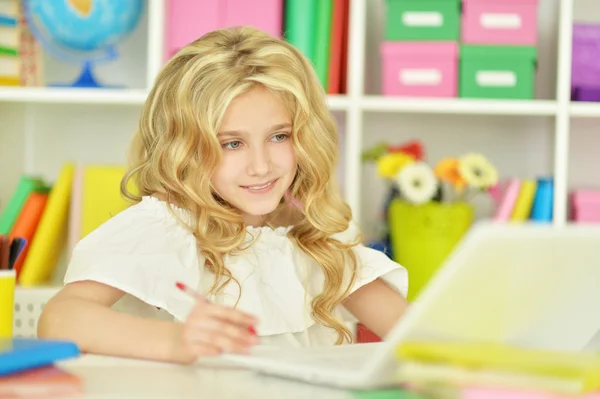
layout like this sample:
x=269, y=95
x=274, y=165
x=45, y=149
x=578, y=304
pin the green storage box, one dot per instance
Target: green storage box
x=422, y=20
x=499, y=72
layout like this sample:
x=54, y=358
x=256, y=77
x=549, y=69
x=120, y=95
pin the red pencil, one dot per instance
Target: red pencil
x=189, y=291
x=199, y=297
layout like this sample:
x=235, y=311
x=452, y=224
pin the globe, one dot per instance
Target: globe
x=82, y=31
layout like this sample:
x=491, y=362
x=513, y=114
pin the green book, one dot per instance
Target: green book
x=323, y=40
x=26, y=186
x=299, y=28
x=8, y=51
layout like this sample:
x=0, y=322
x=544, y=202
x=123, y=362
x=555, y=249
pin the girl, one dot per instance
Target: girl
x=234, y=164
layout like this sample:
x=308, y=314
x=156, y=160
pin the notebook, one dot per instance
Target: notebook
x=20, y=354
x=41, y=383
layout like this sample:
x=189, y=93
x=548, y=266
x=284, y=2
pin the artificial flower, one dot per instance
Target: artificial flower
x=417, y=182
x=447, y=171
x=414, y=148
x=389, y=165
x=477, y=171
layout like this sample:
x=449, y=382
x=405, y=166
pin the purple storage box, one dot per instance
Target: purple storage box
x=585, y=64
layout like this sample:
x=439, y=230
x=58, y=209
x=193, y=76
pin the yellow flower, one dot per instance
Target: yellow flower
x=389, y=165
x=477, y=171
x=447, y=171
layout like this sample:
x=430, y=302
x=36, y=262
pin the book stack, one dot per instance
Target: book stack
x=47, y=218
x=319, y=29
x=521, y=200
x=10, y=65
x=478, y=370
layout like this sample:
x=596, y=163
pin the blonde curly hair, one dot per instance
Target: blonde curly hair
x=175, y=151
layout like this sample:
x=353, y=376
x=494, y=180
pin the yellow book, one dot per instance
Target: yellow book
x=524, y=202
x=50, y=236
x=580, y=366
x=9, y=81
x=101, y=196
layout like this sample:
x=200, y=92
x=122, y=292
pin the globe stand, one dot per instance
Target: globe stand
x=86, y=79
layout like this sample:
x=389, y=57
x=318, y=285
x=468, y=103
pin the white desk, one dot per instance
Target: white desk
x=114, y=378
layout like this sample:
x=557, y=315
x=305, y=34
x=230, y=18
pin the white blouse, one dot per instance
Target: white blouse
x=144, y=251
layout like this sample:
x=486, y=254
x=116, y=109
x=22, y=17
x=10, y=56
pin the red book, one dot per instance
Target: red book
x=345, y=37
x=44, y=382
x=335, y=60
x=27, y=223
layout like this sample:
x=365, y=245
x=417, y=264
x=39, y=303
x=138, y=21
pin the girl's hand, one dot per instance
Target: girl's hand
x=211, y=330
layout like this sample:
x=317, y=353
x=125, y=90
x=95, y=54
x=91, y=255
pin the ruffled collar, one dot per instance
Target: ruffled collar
x=186, y=217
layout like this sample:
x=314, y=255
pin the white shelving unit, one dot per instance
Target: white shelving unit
x=34, y=118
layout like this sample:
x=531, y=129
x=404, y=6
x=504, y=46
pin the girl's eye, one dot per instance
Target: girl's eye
x=232, y=145
x=280, y=137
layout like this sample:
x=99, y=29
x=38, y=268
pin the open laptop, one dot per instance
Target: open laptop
x=531, y=285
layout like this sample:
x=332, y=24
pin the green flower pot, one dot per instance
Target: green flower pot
x=422, y=237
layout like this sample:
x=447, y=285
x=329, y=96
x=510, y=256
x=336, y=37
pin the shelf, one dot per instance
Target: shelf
x=48, y=95
x=337, y=103
x=45, y=95
x=459, y=106
x=585, y=110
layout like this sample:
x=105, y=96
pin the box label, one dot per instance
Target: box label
x=496, y=78
x=500, y=21
x=429, y=19
x=420, y=77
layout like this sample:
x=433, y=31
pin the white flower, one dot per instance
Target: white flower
x=477, y=171
x=417, y=182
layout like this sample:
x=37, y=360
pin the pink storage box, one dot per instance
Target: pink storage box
x=187, y=20
x=266, y=15
x=585, y=206
x=419, y=69
x=505, y=22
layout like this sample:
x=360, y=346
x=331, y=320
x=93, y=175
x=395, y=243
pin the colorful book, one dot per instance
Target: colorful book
x=9, y=12
x=21, y=354
x=335, y=57
x=10, y=64
x=44, y=382
x=436, y=380
x=5, y=243
x=497, y=393
x=75, y=209
x=543, y=203
x=9, y=39
x=509, y=198
x=522, y=209
x=322, y=38
x=574, y=370
x=16, y=249
x=345, y=37
x=300, y=21
x=25, y=187
x=27, y=223
x=101, y=196
x=9, y=7
x=50, y=236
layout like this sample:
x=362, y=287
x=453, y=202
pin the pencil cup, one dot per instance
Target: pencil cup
x=8, y=281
